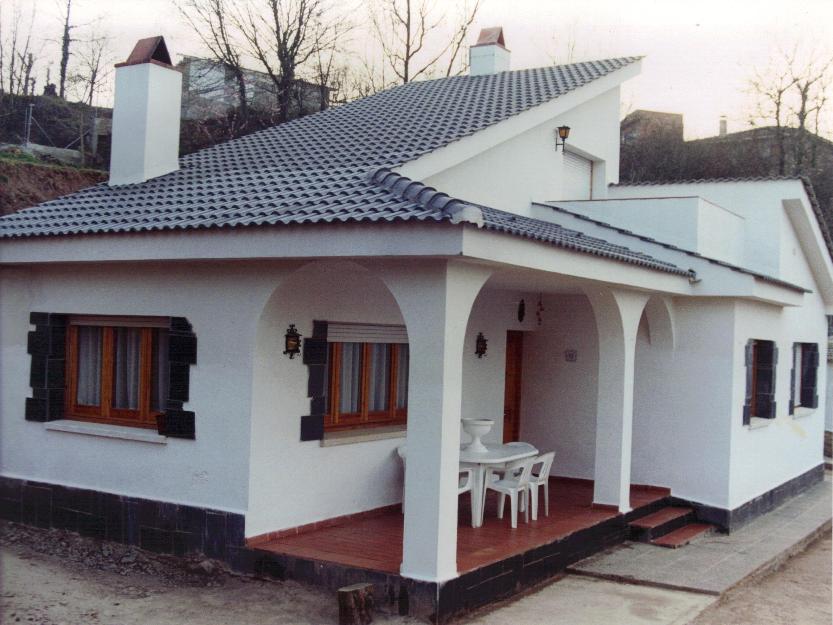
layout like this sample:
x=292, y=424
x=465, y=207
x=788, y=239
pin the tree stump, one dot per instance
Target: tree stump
x=355, y=604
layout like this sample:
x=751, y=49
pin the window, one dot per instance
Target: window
x=761, y=361
x=367, y=385
x=803, y=391
x=117, y=370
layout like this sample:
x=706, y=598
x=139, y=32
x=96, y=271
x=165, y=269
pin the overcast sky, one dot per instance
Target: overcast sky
x=699, y=53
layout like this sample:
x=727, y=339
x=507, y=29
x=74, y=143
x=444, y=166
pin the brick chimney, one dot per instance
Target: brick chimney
x=723, y=125
x=489, y=55
x=145, y=140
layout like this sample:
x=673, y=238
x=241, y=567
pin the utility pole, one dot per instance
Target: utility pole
x=27, y=133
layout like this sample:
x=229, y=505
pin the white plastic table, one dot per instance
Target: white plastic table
x=480, y=462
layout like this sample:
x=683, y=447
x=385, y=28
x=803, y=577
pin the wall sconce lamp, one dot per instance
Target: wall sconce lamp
x=563, y=135
x=292, y=341
x=480, y=345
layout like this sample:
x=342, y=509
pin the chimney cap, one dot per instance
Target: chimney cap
x=149, y=50
x=490, y=37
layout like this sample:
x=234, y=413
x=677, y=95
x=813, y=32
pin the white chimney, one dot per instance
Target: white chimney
x=145, y=140
x=489, y=55
x=722, y=126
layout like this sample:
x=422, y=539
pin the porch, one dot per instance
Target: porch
x=374, y=541
x=494, y=561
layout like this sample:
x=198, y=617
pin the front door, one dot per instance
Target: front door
x=512, y=392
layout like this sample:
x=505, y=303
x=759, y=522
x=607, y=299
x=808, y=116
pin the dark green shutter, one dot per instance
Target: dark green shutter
x=316, y=355
x=47, y=346
x=792, y=384
x=182, y=353
x=747, y=403
x=809, y=375
x=766, y=368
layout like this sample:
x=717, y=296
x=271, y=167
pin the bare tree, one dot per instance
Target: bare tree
x=93, y=66
x=406, y=31
x=792, y=93
x=213, y=22
x=17, y=56
x=66, y=41
x=283, y=36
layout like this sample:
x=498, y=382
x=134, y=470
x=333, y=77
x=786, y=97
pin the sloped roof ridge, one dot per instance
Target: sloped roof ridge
x=313, y=168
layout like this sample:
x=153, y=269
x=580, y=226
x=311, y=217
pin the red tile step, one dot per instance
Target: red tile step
x=659, y=523
x=683, y=535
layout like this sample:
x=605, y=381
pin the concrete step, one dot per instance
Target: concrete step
x=659, y=523
x=680, y=537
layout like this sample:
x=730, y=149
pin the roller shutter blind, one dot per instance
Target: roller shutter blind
x=578, y=177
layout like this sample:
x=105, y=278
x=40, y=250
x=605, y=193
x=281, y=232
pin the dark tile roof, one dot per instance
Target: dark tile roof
x=335, y=167
x=808, y=187
x=502, y=221
x=311, y=169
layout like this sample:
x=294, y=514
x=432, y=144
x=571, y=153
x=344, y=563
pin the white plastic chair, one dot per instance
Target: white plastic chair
x=513, y=484
x=465, y=479
x=541, y=478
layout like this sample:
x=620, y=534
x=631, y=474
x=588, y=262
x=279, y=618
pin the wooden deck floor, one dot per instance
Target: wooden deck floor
x=376, y=543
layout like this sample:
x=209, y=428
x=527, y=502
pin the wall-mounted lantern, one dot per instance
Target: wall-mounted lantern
x=480, y=345
x=521, y=311
x=292, y=341
x=561, y=137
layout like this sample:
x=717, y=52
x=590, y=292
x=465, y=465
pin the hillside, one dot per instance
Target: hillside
x=25, y=181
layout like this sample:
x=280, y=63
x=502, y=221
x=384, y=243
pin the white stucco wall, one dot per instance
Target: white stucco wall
x=527, y=167
x=771, y=452
x=759, y=203
x=293, y=482
x=691, y=223
x=681, y=403
x=221, y=302
x=558, y=409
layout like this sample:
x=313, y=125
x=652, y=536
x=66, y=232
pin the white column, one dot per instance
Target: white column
x=435, y=298
x=617, y=320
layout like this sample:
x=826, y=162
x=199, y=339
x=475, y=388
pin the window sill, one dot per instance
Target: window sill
x=800, y=412
x=106, y=431
x=348, y=437
x=757, y=423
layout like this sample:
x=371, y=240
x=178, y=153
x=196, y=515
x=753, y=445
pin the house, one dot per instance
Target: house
x=210, y=89
x=224, y=352
x=642, y=125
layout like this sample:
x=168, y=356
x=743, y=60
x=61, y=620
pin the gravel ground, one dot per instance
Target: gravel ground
x=798, y=593
x=53, y=577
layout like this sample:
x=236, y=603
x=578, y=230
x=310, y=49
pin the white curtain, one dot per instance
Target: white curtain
x=127, y=343
x=160, y=376
x=351, y=374
x=379, y=377
x=402, y=377
x=89, y=366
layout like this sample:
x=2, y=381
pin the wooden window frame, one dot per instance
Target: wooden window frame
x=105, y=412
x=335, y=420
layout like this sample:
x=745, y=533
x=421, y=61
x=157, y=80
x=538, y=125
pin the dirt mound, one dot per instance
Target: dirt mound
x=25, y=182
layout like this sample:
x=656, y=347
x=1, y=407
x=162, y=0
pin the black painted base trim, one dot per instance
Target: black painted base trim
x=157, y=526
x=731, y=520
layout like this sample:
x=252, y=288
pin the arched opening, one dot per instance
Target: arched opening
x=294, y=482
x=653, y=395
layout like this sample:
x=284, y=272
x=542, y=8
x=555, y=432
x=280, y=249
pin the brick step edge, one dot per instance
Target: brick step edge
x=659, y=523
x=682, y=536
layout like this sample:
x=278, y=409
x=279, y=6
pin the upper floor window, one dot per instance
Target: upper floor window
x=367, y=385
x=804, y=391
x=117, y=370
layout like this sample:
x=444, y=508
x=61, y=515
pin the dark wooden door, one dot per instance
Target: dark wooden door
x=512, y=392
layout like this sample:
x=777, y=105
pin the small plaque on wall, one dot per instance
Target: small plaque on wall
x=570, y=355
